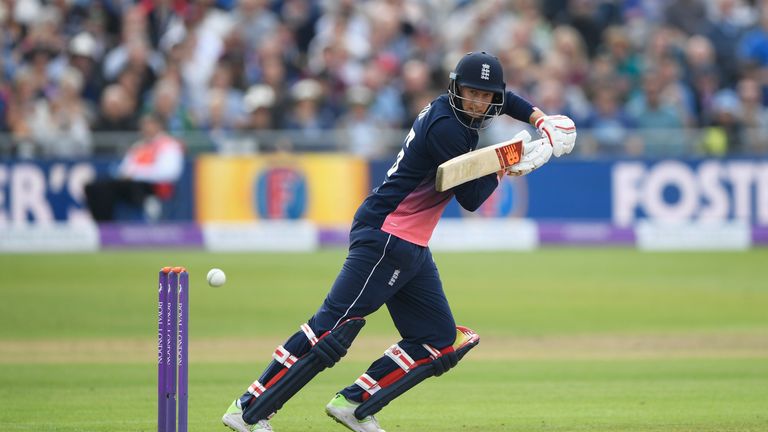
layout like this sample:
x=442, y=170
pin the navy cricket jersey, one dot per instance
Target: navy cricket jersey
x=407, y=205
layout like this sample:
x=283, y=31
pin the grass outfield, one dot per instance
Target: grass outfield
x=571, y=340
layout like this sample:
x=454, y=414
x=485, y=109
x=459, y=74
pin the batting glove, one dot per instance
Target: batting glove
x=535, y=154
x=560, y=131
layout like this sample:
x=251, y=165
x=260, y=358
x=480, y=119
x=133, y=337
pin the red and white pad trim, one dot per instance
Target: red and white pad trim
x=256, y=389
x=399, y=356
x=368, y=384
x=282, y=356
x=309, y=333
x=433, y=353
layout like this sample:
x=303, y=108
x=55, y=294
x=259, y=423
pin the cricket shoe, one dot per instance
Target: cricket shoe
x=343, y=411
x=233, y=419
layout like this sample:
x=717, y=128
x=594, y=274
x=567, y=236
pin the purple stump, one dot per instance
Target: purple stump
x=183, y=349
x=173, y=349
x=161, y=369
x=170, y=352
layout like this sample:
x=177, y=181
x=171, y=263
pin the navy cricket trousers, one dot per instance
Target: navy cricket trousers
x=382, y=269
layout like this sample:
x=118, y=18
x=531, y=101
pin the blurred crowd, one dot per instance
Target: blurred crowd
x=639, y=77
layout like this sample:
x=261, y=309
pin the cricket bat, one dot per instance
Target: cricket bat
x=478, y=163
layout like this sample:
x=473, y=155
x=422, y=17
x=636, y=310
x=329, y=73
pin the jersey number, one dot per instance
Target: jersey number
x=408, y=139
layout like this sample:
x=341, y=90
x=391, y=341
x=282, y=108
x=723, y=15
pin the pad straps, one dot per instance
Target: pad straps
x=285, y=358
x=325, y=352
x=282, y=356
x=397, y=382
x=400, y=357
x=370, y=385
x=309, y=333
x=256, y=389
x=404, y=361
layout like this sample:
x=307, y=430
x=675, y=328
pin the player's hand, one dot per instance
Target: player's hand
x=535, y=154
x=560, y=131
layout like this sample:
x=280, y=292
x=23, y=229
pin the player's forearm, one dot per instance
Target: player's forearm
x=472, y=195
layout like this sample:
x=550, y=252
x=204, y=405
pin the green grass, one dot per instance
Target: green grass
x=559, y=395
x=553, y=295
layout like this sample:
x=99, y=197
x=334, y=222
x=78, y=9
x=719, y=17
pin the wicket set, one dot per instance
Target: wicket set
x=172, y=349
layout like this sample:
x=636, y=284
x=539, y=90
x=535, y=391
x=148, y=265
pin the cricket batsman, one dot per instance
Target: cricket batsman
x=390, y=263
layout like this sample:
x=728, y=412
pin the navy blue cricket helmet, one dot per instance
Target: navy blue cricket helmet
x=481, y=71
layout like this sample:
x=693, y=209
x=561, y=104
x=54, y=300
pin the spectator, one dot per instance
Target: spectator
x=677, y=91
x=21, y=107
x=664, y=42
x=218, y=126
x=522, y=63
x=387, y=104
x=610, y=126
x=362, y=131
x=259, y=101
x=690, y=16
x=552, y=81
x=301, y=18
x=273, y=75
x=231, y=110
x=583, y=18
x=346, y=27
x=394, y=48
x=205, y=32
x=134, y=54
x=254, y=21
x=308, y=116
x=659, y=122
x=339, y=71
x=150, y=168
x=753, y=46
x=553, y=94
x=416, y=88
x=568, y=44
x=725, y=28
x=706, y=83
x=724, y=133
x=167, y=104
x=117, y=110
x=60, y=125
x=703, y=74
x=83, y=54
x=700, y=54
x=603, y=73
x=627, y=61
x=162, y=18
x=37, y=62
x=116, y=119
x=385, y=35
x=136, y=59
x=754, y=115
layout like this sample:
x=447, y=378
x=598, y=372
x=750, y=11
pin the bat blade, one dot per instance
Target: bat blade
x=478, y=163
